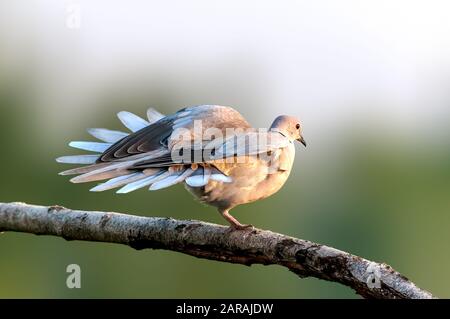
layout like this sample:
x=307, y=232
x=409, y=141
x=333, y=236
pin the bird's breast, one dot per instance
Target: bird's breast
x=253, y=178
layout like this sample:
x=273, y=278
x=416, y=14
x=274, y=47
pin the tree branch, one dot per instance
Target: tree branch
x=210, y=241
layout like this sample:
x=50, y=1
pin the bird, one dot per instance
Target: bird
x=221, y=159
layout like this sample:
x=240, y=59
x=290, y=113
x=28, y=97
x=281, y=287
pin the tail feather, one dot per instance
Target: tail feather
x=106, y=135
x=170, y=180
x=131, y=121
x=218, y=176
x=125, y=179
x=118, y=181
x=200, y=177
x=104, y=172
x=101, y=167
x=153, y=115
x=77, y=159
x=83, y=169
x=90, y=146
x=143, y=182
x=90, y=177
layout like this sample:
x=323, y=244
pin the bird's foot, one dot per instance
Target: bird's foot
x=234, y=223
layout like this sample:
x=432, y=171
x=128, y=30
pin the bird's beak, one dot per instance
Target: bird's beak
x=302, y=140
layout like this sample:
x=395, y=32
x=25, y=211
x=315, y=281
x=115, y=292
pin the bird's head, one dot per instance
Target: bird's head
x=289, y=126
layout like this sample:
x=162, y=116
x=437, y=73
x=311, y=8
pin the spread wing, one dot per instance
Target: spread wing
x=157, y=135
x=145, y=157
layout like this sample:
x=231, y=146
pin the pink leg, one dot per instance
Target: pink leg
x=233, y=221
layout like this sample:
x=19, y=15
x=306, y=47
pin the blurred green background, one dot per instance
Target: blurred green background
x=369, y=81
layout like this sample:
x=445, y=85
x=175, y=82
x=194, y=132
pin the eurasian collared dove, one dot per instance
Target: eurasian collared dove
x=212, y=149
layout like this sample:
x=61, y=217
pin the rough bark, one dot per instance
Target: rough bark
x=215, y=242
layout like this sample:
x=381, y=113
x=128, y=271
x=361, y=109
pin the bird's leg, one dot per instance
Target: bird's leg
x=234, y=223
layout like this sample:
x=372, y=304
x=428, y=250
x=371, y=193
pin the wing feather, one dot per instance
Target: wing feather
x=106, y=135
x=132, y=121
x=153, y=115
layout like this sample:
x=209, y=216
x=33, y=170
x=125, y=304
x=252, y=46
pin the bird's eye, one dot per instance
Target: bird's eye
x=297, y=126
